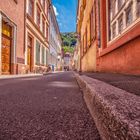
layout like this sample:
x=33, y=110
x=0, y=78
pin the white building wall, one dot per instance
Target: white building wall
x=55, y=47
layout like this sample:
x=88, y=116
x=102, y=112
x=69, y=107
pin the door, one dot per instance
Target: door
x=29, y=58
x=29, y=53
x=6, y=55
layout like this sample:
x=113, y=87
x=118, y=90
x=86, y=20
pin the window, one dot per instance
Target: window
x=138, y=8
x=43, y=55
x=120, y=3
x=92, y=24
x=85, y=42
x=86, y=39
x=123, y=16
x=43, y=25
x=114, y=30
x=37, y=53
x=88, y=34
x=47, y=7
x=120, y=23
x=129, y=15
x=113, y=7
x=47, y=32
x=29, y=42
x=43, y=3
x=31, y=8
x=82, y=46
x=84, y=3
x=47, y=57
x=38, y=17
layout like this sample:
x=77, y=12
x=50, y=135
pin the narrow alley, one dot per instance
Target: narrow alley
x=69, y=69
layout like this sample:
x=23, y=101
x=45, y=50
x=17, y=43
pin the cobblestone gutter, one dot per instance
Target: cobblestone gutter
x=115, y=111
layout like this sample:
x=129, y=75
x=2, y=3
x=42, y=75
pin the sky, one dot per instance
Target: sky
x=65, y=11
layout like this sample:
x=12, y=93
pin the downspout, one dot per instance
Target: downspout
x=99, y=28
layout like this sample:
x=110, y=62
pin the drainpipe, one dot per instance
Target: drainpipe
x=79, y=45
x=0, y=41
x=99, y=32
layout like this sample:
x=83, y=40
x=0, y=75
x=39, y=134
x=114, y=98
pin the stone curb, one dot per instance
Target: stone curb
x=18, y=76
x=116, y=112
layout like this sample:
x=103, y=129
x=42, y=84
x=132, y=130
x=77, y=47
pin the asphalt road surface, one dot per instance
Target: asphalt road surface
x=48, y=107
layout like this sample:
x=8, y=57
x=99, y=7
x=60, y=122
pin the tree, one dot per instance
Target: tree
x=68, y=42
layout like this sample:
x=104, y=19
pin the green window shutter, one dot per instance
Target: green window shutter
x=37, y=53
x=43, y=55
x=46, y=57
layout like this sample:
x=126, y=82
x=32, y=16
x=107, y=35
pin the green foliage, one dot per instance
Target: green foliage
x=68, y=49
x=68, y=42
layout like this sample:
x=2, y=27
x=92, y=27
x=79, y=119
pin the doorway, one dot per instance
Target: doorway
x=6, y=48
x=29, y=53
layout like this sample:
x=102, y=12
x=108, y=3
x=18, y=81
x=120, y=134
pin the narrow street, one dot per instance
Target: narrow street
x=49, y=107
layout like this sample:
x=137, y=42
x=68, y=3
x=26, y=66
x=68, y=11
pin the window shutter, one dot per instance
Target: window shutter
x=37, y=53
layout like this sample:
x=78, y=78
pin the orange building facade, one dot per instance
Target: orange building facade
x=120, y=37
x=117, y=36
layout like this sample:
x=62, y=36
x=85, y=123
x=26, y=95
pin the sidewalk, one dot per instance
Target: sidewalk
x=18, y=76
x=2, y=77
x=128, y=83
x=112, y=105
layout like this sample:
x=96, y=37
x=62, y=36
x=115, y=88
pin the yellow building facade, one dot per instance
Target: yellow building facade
x=86, y=29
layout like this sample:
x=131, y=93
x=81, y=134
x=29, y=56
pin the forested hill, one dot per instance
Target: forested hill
x=68, y=41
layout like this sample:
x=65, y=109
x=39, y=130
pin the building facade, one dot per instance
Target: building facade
x=120, y=37
x=86, y=29
x=117, y=36
x=54, y=42
x=12, y=29
x=76, y=58
x=37, y=35
x=25, y=36
x=67, y=62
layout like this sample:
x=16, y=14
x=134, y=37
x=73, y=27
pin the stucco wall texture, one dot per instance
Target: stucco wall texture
x=15, y=12
x=125, y=59
x=89, y=60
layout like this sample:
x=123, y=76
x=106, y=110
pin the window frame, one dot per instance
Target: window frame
x=38, y=17
x=129, y=10
x=38, y=52
x=31, y=11
x=138, y=8
x=125, y=6
x=119, y=27
x=43, y=25
x=93, y=23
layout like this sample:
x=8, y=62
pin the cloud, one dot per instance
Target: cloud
x=55, y=11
